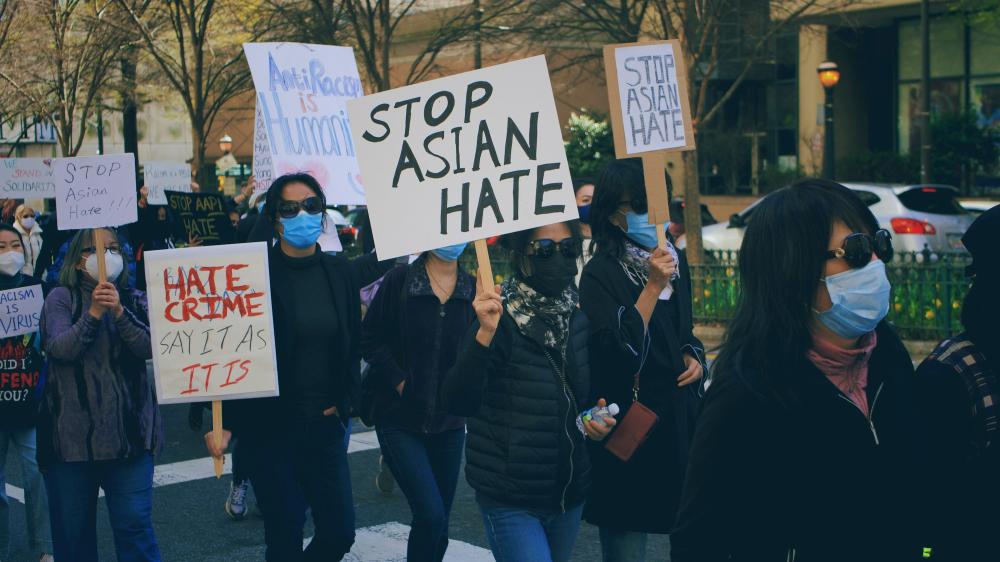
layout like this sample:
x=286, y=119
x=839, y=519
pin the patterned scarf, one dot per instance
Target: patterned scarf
x=635, y=262
x=541, y=318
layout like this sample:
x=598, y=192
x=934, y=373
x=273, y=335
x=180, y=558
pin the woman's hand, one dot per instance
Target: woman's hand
x=598, y=430
x=105, y=296
x=661, y=268
x=193, y=241
x=331, y=411
x=693, y=372
x=143, y=197
x=218, y=451
x=400, y=387
x=488, y=307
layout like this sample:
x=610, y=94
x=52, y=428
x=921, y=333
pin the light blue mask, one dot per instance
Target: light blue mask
x=640, y=231
x=302, y=230
x=860, y=300
x=450, y=253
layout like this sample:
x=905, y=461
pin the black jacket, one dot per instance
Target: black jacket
x=523, y=448
x=651, y=481
x=408, y=335
x=768, y=476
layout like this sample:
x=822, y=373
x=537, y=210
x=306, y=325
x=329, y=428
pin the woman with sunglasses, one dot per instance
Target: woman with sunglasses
x=100, y=425
x=806, y=448
x=522, y=377
x=637, y=297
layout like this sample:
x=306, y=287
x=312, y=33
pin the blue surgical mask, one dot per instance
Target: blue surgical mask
x=450, y=253
x=584, y=213
x=640, y=231
x=860, y=300
x=302, y=230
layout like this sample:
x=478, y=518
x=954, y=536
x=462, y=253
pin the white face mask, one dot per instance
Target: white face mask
x=11, y=262
x=28, y=222
x=113, y=263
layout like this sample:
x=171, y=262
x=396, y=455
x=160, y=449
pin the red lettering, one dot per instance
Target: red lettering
x=168, y=314
x=253, y=308
x=194, y=280
x=4, y=379
x=208, y=373
x=189, y=309
x=231, y=278
x=230, y=304
x=211, y=269
x=214, y=310
x=243, y=366
x=190, y=369
x=167, y=285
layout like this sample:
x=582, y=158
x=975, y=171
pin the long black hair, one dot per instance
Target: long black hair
x=620, y=180
x=781, y=262
x=264, y=229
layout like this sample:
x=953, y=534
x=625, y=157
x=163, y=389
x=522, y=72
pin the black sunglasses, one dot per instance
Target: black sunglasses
x=312, y=205
x=857, y=248
x=545, y=248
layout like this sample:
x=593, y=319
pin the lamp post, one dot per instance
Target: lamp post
x=226, y=144
x=829, y=75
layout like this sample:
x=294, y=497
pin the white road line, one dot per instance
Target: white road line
x=387, y=543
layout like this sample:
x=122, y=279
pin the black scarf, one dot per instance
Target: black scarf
x=540, y=318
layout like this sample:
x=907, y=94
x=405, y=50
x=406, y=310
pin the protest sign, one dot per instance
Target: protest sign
x=462, y=158
x=301, y=117
x=203, y=215
x=263, y=169
x=26, y=178
x=20, y=310
x=95, y=191
x=165, y=176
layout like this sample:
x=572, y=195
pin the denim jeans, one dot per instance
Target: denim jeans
x=303, y=467
x=426, y=467
x=128, y=492
x=623, y=546
x=35, y=499
x=518, y=535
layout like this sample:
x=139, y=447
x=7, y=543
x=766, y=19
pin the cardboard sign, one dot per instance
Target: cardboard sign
x=163, y=176
x=648, y=94
x=301, y=91
x=95, y=191
x=462, y=158
x=20, y=310
x=211, y=323
x=203, y=215
x=26, y=178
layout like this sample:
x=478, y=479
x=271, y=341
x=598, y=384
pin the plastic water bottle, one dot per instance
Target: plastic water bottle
x=596, y=414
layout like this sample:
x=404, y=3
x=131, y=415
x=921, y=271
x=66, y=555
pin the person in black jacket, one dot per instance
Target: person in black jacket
x=522, y=378
x=959, y=391
x=807, y=447
x=638, y=299
x=410, y=338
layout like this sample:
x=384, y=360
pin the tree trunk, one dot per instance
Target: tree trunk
x=204, y=171
x=130, y=124
x=692, y=209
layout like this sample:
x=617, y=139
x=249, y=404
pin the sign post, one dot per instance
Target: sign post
x=650, y=113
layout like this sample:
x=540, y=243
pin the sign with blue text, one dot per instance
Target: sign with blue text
x=160, y=177
x=26, y=178
x=95, y=191
x=20, y=310
x=301, y=114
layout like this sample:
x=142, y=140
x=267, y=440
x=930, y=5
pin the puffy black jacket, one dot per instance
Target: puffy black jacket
x=523, y=447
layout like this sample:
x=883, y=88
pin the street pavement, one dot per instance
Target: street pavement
x=191, y=524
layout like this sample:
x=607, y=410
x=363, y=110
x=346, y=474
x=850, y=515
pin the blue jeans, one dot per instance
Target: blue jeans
x=623, y=546
x=426, y=467
x=35, y=498
x=520, y=535
x=128, y=492
x=303, y=467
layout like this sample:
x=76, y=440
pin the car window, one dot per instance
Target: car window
x=932, y=200
x=867, y=197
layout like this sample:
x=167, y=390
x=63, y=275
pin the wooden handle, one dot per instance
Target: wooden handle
x=217, y=433
x=102, y=268
x=654, y=165
x=661, y=235
x=485, y=267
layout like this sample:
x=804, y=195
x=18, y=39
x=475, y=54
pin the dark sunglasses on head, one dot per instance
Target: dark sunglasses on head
x=545, y=248
x=312, y=205
x=857, y=248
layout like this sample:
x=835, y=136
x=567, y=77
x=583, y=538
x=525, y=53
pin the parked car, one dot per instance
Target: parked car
x=918, y=216
x=347, y=232
x=676, y=227
x=977, y=207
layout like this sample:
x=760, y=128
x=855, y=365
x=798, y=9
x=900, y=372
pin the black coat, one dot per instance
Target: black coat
x=408, y=335
x=767, y=476
x=523, y=447
x=650, y=483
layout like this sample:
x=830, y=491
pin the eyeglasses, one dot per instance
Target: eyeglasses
x=114, y=250
x=857, y=248
x=545, y=248
x=312, y=205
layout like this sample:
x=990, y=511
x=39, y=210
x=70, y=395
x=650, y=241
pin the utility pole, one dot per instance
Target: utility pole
x=925, y=92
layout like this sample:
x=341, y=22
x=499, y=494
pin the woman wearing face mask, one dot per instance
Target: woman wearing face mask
x=410, y=339
x=644, y=354
x=584, y=190
x=100, y=424
x=19, y=407
x=523, y=377
x=806, y=448
x=294, y=446
x=31, y=233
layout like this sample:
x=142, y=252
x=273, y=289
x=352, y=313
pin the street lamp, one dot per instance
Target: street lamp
x=226, y=144
x=829, y=76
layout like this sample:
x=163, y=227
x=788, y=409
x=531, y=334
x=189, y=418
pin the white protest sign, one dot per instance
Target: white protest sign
x=165, y=176
x=26, y=178
x=301, y=118
x=210, y=319
x=95, y=191
x=20, y=310
x=462, y=158
x=263, y=169
x=647, y=87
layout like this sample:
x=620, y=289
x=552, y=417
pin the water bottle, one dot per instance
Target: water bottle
x=596, y=414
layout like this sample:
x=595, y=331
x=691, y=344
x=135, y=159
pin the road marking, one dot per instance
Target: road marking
x=387, y=543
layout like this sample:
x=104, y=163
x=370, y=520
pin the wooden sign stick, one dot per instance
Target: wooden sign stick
x=102, y=268
x=657, y=202
x=217, y=434
x=485, y=267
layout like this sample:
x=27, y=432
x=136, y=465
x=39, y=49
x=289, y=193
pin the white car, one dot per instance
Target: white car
x=977, y=207
x=918, y=216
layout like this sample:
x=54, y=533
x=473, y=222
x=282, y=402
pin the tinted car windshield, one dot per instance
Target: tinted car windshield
x=932, y=200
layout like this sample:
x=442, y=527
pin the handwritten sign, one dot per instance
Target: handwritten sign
x=20, y=310
x=647, y=88
x=211, y=323
x=263, y=168
x=462, y=158
x=301, y=91
x=95, y=191
x=26, y=178
x=164, y=176
x=203, y=215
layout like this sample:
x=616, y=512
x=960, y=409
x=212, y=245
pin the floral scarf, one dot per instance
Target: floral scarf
x=541, y=318
x=635, y=262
